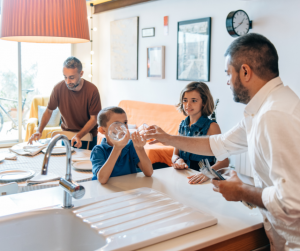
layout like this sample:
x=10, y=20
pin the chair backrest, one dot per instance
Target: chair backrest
x=88, y=137
x=9, y=188
x=37, y=100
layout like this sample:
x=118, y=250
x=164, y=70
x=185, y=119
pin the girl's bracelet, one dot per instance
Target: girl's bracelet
x=176, y=160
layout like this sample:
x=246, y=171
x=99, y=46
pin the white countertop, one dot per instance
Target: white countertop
x=233, y=217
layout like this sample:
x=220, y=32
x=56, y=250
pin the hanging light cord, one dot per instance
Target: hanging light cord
x=91, y=4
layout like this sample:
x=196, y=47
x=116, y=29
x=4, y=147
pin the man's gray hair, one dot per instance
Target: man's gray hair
x=72, y=63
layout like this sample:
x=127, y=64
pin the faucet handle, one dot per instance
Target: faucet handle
x=73, y=188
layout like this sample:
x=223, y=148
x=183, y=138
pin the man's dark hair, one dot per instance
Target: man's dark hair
x=72, y=63
x=104, y=115
x=256, y=51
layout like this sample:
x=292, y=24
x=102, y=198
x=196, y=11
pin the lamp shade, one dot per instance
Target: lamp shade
x=44, y=21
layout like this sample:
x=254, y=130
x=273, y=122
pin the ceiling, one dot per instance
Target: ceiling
x=95, y=1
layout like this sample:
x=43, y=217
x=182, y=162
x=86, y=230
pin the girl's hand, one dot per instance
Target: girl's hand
x=197, y=178
x=138, y=140
x=180, y=164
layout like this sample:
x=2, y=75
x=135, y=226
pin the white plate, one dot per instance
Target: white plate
x=2, y=158
x=81, y=155
x=14, y=175
x=58, y=150
x=40, y=178
x=83, y=165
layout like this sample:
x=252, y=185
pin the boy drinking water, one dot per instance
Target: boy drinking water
x=115, y=158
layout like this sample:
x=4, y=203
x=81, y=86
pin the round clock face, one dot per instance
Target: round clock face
x=240, y=23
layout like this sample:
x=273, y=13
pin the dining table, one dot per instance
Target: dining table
x=57, y=166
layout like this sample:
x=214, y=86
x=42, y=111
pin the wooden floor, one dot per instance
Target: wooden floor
x=251, y=241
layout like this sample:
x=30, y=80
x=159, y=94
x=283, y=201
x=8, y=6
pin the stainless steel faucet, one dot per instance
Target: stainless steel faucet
x=71, y=188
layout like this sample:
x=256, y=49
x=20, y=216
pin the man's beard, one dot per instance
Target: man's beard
x=240, y=93
x=75, y=85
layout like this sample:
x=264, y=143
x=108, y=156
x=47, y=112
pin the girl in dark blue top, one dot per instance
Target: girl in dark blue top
x=196, y=102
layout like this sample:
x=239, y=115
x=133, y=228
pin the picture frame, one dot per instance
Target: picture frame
x=156, y=62
x=124, y=41
x=193, y=50
x=148, y=32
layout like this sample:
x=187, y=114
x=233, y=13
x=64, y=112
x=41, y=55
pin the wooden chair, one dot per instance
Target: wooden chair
x=88, y=137
x=9, y=188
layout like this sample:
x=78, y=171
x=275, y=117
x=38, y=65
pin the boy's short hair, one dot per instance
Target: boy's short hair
x=205, y=95
x=104, y=115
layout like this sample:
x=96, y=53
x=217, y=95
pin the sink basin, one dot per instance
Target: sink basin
x=54, y=229
x=118, y=221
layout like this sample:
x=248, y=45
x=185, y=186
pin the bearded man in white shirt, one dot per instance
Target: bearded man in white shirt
x=269, y=131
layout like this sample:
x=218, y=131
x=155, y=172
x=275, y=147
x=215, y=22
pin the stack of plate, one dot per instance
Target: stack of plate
x=81, y=160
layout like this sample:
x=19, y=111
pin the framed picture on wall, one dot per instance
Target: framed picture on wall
x=124, y=48
x=148, y=32
x=193, y=50
x=156, y=62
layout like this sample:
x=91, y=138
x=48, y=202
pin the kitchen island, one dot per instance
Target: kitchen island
x=238, y=228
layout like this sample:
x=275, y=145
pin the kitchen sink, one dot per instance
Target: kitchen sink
x=53, y=229
x=118, y=221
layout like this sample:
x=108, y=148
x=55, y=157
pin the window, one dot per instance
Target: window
x=41, y=68
x=8, y=91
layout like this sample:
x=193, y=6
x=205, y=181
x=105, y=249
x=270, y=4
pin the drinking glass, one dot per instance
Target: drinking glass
x=117, y=131
x=142, y=129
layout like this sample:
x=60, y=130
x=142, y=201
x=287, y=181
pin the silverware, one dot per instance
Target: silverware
x=206, y=170
x=211, y=173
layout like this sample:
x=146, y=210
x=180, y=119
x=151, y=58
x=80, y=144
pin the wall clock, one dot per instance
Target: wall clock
x=238, y=23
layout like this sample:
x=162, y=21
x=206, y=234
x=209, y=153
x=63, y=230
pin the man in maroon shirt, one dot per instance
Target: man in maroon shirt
x=78, y=102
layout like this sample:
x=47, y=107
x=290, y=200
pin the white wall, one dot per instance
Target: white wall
x=278, y=20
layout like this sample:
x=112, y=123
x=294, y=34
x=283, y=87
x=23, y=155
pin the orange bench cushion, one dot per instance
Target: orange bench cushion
x=159, y=153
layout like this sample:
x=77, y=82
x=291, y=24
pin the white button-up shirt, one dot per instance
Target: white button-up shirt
x=270, y=132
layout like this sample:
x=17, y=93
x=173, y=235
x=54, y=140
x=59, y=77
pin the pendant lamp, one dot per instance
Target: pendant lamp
x=44, y=21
